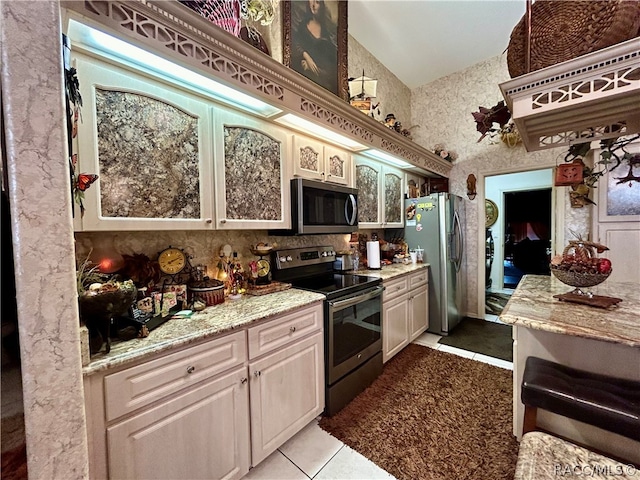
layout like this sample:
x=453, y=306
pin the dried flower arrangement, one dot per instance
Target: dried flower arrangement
x=487, y=118
x=448, y=155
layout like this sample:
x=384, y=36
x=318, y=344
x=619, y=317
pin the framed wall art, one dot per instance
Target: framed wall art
x=315, y=42
x=619, y=189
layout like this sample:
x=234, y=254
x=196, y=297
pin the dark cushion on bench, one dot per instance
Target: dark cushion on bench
x=609, y=403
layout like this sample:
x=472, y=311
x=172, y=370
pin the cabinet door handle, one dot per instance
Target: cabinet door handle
x=223, y=220
x=191, y=369
x=257, y=373
x=244, y=380
x=292, y=329
x=208, y=220
x=398, y=288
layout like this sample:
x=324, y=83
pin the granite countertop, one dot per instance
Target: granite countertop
x=388, y=272
x=212, y=321
x=532, y=305
x=545, y=457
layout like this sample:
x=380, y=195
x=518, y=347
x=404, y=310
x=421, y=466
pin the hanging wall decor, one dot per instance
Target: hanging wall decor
x=315, y=42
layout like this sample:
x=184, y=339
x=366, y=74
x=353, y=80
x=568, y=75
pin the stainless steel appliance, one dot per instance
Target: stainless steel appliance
x=433, y=223
x=343, y=262
x=352, y=320
x=318, y=207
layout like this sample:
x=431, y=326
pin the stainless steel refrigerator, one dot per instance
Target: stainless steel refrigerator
x=433, y=223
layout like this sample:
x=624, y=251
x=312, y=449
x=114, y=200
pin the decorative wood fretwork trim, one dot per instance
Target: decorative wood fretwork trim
x=181, y=35
x=591, y=97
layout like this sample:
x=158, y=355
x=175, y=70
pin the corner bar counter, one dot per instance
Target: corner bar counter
x=604, y=341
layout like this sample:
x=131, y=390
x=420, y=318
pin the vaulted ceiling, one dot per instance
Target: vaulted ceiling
x=422, y=40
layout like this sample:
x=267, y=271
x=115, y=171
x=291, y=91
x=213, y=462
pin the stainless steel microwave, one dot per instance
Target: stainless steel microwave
x=318, y=207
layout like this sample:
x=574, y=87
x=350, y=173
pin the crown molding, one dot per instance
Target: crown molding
x=176, y=33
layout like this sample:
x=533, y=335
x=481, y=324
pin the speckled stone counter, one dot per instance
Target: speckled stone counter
x=545, y=457
x=388, y=272
x=532, y=305
x=212, y=321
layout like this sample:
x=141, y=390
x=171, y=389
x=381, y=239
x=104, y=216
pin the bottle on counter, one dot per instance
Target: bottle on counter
x=355, y=259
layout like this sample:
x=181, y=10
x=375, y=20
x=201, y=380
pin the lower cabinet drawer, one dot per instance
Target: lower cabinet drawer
x=419, y=278
x=274, y=334
x=135, y=387
x=395, y=288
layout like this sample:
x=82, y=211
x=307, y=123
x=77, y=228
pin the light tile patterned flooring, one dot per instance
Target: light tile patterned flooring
x=314, y=454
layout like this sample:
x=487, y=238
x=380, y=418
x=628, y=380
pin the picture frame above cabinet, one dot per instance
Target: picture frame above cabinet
x=148, y=142
x=252, y=186
x=314, y=160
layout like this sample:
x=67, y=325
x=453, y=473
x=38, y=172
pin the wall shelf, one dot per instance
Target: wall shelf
x=592, y=97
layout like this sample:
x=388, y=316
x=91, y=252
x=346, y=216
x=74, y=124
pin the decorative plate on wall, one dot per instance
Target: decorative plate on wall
x=491, y=212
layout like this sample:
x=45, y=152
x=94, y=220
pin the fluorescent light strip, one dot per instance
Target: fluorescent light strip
x=123, y=50
x=300, y=123
x=379, y=155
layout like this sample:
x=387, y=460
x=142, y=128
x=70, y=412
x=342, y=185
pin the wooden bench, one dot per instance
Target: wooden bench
x=609, y=403
x=545, y=457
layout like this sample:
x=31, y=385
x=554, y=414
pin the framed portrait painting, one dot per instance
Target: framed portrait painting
x=315, y=42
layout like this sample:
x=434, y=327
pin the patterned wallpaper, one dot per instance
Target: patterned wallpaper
x=393, y=95
x=443, y=108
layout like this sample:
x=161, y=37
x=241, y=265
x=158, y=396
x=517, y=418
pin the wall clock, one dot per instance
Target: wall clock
x=172, y=260
x=491, y=212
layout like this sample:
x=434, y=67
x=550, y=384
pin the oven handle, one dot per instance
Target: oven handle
x=342, y=304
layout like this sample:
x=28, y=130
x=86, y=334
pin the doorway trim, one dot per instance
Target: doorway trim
x=558, y=203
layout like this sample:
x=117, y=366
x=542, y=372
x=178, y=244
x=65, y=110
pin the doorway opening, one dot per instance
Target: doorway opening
x=518, y=233
x=527, y=235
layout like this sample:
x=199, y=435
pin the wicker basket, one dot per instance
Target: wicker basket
x=211, y=292
x=577, y=279
x=563, y=30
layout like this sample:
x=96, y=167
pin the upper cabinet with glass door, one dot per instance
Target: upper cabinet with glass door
x=148, y=142
x=380, y=194
x=252, y=186
x=318, y=161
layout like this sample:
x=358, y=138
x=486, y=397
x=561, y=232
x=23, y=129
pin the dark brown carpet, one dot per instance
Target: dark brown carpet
x=433, y=416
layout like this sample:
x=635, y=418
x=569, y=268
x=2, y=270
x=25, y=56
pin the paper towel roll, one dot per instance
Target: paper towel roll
x=373, y=255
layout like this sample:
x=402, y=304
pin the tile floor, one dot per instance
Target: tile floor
x=314, y=454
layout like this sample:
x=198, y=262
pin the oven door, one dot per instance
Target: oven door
x=353, y=332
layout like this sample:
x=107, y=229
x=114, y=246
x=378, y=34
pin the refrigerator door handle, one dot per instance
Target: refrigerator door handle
x=459, y=241
x=455, y=243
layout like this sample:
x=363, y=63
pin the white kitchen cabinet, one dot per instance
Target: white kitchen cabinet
x=149, y=143
x=287, y=392
x=395, y=326
x=183, y=437
x=380, y=194
x=418, y=312
x=210, y=410
x=252, y=186
x=315, y=160
x=404, y=312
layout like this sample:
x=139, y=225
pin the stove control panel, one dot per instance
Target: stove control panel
x=299, y=257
